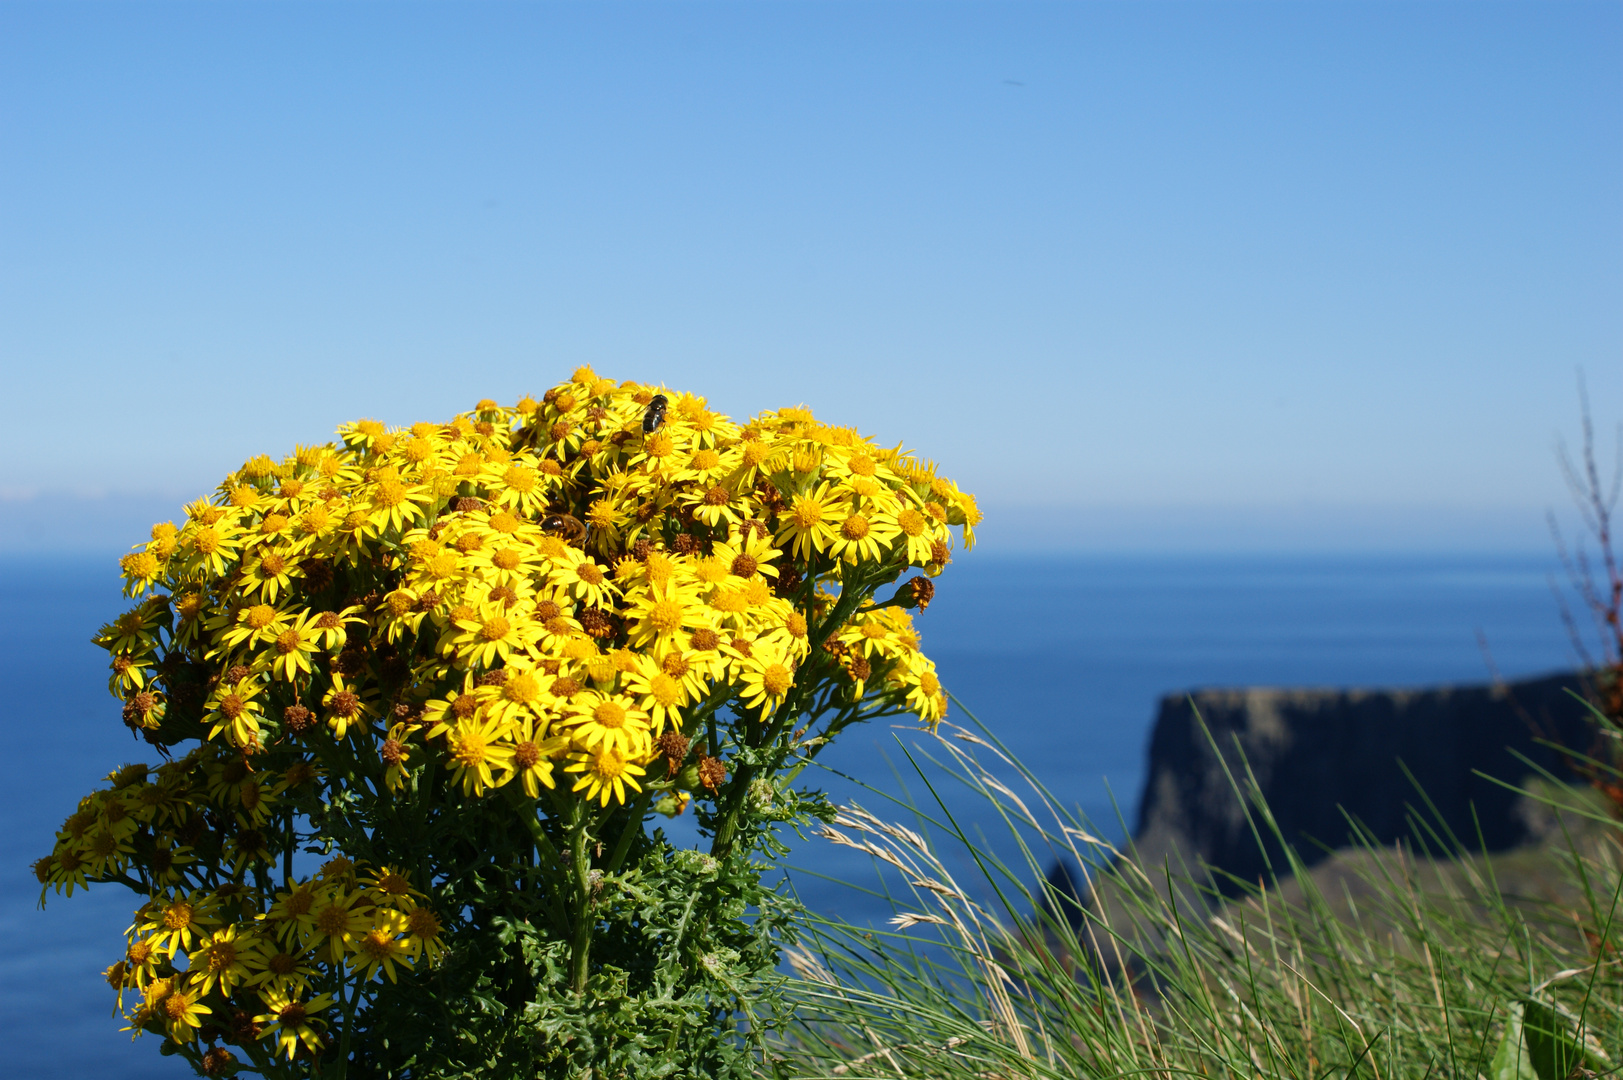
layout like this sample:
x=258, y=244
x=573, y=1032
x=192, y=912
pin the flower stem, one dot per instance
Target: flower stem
x=580, y=949
x=632, y=830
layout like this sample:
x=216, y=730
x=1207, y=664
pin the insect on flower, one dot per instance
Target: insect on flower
x=655, y=416
x=567, y=526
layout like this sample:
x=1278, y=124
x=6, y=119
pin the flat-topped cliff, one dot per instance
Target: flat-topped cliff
x=1316, y=754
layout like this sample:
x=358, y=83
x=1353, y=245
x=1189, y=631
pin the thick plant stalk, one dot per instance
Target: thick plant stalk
x=580, y=949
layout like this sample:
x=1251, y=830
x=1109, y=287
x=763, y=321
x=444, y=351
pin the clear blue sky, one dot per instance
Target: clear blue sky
x=1224, y=274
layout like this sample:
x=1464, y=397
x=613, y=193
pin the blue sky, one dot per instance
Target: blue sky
x=1224, y=275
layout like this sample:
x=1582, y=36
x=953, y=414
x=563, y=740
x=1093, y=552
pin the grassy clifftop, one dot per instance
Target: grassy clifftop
x=1415, y=961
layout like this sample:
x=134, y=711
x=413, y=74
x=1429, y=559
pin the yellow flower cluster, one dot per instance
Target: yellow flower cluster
x=571, y=582
x=547, y=598
x=193, y=953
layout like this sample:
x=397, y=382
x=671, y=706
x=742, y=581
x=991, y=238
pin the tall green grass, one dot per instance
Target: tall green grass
x=1410, y=962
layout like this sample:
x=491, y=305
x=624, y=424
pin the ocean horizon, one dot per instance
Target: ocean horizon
x=1065, y=658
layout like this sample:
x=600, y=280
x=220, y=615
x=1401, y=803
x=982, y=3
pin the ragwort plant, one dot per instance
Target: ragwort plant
x=467, y=664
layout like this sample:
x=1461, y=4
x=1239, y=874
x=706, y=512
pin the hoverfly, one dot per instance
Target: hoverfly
x=655, y=415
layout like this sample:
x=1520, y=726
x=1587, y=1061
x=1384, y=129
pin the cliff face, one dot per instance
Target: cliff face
x=1317, y=753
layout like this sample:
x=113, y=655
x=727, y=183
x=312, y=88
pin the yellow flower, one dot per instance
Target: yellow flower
x=863, y=463
x=346, y=707
x=491, y=633
x=603, y=518
x=862, y=539
x=748, y=552
x=221, y=960
x=182, y=1013
x=661, y=694
x=340, y=869
x=171, y=924
x=235, y=710
x=168, y=861
x=423, y=928
x=395, y=503
x=520, y=691
x=267, y=571
x=129, y=673
x=290, y=915
x=441, y=714
x=291, y=648
x=395, y=753
x=757, y=457
x=921, y=532
x=401, y=613
x=714, y=505
x=558, y=629
x=881, y=632
x=924, y=693
x=388, y=885
x=520, y=485
x=608, y=721
x=604, y=774
x=335, y=921
x=330, y=627
x=767, y=680
x=106, y=851
x=138, y=968
x=314, y=521
x=292, y=1023
x=504, y=561
x=729, y=605
x=503, y=524
x=707, y=465
x=532, y=757
x=381, y=945
x=141, y=569
x=135, y=631
x=809, y=526
x=662, y=616
x=278, y=969
x=255, y=624
x=362, y=434
x=479, y=758
x=354, y=531
x=419, y=451
x=249, y=845
x=582, y=578
x=209, y=548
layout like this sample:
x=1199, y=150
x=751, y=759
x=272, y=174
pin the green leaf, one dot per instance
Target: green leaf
x=1539, y=1044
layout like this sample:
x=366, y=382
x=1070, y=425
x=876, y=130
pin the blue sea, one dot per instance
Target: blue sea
x=1065, y=659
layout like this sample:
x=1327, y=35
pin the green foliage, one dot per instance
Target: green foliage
x=684, y=981
x=1411, y=962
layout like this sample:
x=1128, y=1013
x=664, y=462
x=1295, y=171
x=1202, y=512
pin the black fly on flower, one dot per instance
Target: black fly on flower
x=655, y=414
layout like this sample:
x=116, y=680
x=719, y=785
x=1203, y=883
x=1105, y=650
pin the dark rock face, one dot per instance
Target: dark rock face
x=1317, y=753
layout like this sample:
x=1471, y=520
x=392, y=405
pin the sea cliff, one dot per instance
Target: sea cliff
x=1320, y=757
